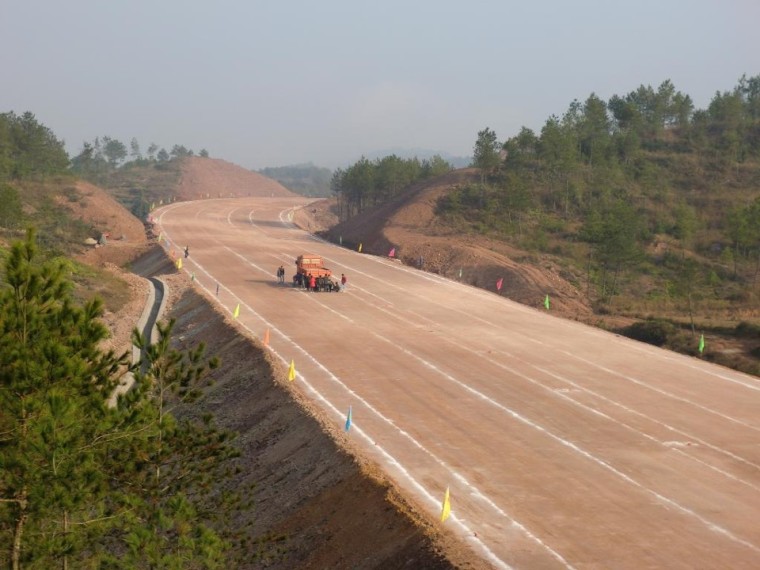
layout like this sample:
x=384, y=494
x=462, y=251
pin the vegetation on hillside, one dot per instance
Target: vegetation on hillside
x=83, y=484
x=368, y=183
x=620, y=176
x=657, y=203
x=29, y=149
x=137, y=179
x=33, y=174
x=305, y=179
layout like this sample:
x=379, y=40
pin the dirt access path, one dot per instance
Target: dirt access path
x=563, y=446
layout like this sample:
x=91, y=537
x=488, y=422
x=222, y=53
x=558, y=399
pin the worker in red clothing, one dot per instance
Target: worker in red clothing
x=313, y=283
x=343, y=281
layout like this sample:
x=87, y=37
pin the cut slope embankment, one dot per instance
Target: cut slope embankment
x=410, y=226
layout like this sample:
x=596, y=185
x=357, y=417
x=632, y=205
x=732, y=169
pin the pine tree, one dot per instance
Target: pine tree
x=177, y=517
x=86, y=485
x=52, y=410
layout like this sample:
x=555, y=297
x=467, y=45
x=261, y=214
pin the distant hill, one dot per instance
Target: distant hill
x=305, y=179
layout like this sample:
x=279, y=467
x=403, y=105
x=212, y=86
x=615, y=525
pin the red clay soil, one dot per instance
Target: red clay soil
x=97, y=208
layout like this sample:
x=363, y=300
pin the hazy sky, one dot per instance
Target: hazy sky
x=271, y=83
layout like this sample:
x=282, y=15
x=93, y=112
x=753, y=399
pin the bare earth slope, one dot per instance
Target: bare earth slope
x=216, y=178
x=127, y=240
x=97, y=208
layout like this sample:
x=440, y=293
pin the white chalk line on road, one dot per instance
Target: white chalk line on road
x=709, y=524
x=439, y=279
x=746, y=381
x=478, y=352
x=662, y=392
x=463, y=345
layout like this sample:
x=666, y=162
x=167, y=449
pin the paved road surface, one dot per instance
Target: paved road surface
x=563, y=445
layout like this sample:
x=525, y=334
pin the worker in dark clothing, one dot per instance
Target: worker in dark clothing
x=187, y=251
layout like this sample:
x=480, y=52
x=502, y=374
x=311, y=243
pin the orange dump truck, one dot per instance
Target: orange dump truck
x=313, y=265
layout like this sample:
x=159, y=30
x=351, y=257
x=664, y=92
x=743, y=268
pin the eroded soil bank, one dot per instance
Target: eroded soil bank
x=323, y=505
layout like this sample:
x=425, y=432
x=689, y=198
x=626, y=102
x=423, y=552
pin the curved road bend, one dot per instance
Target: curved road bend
x=564, y=446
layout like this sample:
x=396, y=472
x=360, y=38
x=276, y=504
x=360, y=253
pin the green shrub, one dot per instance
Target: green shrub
x=746, y=329
x=651, y=331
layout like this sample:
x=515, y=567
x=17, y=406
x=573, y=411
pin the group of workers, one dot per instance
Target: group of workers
x=313, y=283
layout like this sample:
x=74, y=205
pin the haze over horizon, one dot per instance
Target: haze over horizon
x=267, y=84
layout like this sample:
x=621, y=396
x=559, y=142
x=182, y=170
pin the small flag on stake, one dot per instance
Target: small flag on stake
x=359, y=249
x=153, y=206
x=217, y=289
x=266, y=337
x=340, y=240
x=392, y=252
x=701, y=344
x=236, y=312
x=348, y=419
x=160, y=236
x=179, y=263
x=546, y=302
x=192, y=276
x=446, y=507
x=460, y=272
x=292, y=371
x=499, y=283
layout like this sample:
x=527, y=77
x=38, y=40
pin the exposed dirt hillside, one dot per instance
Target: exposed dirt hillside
x=216, y=178
x=409, y=225
x=97, y=208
